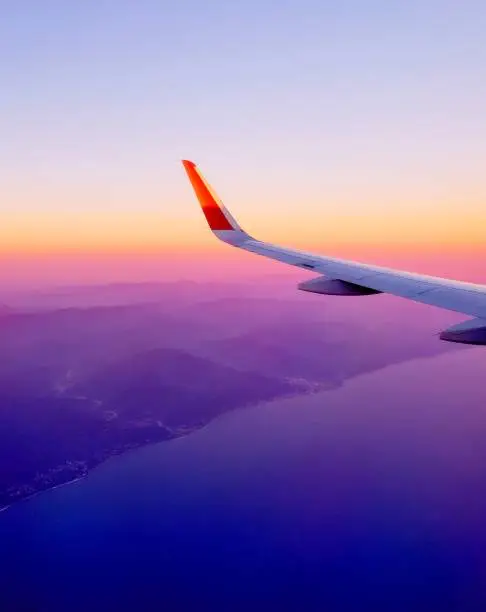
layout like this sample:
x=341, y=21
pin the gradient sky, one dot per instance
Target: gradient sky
x=356, y=127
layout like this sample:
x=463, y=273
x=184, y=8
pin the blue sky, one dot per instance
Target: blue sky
x=347, y=109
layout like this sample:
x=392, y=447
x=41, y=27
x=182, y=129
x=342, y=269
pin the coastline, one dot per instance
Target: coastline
x=40, y=491
x=93, y=465
x=181, y=431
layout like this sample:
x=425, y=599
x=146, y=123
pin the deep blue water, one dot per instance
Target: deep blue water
x=368, y=497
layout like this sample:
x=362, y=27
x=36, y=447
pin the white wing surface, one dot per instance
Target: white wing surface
x=342, y=277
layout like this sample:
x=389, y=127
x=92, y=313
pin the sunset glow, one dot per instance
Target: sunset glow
x=314, y=141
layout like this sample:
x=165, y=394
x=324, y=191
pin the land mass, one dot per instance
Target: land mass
x=153, y=396
x=80, y=385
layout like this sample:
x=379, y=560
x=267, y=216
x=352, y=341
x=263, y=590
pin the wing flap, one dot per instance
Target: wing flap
x=458, y=300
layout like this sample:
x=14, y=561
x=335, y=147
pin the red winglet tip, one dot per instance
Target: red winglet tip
x=208, y=201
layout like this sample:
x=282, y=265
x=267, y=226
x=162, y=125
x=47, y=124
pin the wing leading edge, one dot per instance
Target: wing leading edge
x=343, y=277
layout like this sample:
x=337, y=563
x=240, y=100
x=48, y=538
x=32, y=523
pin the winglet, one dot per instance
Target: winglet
x=218, y=218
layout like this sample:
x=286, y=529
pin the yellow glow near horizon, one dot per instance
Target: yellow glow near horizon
x=136, y=232
x=63, y=219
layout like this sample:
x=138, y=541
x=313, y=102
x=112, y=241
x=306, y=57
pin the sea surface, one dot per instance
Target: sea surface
x=367, y=497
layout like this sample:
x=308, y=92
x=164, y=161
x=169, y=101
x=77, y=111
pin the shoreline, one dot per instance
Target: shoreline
x=36, y=493
x=116, y=453
x=312, y=389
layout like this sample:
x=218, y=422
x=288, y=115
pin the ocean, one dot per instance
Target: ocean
x=367, y=497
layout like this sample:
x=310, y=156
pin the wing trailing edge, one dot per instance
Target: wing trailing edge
x=343, y=277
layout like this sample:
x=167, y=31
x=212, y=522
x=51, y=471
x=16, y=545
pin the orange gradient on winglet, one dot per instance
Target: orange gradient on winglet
x=211, y=209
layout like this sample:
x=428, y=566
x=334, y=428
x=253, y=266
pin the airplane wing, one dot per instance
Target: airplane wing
x=342, y=277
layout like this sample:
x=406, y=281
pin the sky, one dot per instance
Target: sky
x=354, y=128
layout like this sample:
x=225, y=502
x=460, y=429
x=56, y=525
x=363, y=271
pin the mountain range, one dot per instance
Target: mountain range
x=80, y=384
